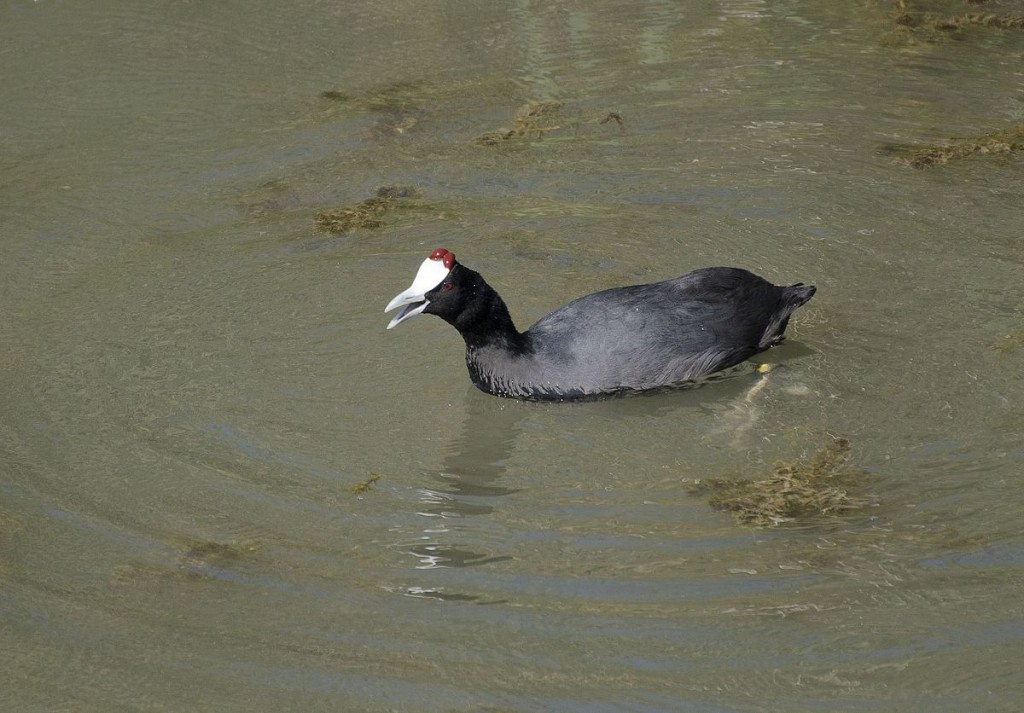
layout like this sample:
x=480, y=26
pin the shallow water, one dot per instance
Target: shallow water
x=196, y=380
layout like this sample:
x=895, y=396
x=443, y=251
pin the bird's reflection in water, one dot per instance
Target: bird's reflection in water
x=465, y=491
x=467, y=483
x=436, y=555
x=421, y=593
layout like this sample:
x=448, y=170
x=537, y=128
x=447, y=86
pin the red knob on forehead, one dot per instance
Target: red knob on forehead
x=447, y=257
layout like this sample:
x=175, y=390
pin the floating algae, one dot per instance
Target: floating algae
x=365, y=485
x=926, y=22
x=913, y=24
x=536, y=118
x=532, y=121
x=341, y=220
x=616, y=117
x=800, y=490
x=1001, y=143
x=493, y=138
x=366, y=214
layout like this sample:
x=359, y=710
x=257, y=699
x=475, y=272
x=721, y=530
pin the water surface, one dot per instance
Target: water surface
x=195, y=378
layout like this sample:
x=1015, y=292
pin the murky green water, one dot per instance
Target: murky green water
x=196, y=379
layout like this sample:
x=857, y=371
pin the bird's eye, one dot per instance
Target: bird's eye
x=447, y=287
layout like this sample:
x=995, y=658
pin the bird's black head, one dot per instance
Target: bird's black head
x=457, y=295
x=435, y=289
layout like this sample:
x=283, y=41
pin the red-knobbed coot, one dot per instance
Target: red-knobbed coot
x=623, y=339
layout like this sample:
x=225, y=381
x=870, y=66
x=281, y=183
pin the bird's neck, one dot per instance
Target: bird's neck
x=485, y=322
x=495, y=350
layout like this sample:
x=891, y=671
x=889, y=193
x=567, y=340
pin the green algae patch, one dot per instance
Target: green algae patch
x=953, y=149
x=368, y=214
x=798, y=491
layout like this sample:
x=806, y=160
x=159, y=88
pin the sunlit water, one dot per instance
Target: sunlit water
x=196, y=380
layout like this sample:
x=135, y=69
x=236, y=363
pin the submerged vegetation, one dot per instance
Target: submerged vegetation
x=793, y=491
x=924, y=156
x=398, y=104
x=269, y=198
x=10, y=524
x=399, y=96
x=201, y=558
x=931, y=23
x=368, y=213
x=193, y=559
x=928, y=21
x=207, y=553
x=1009, y=343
